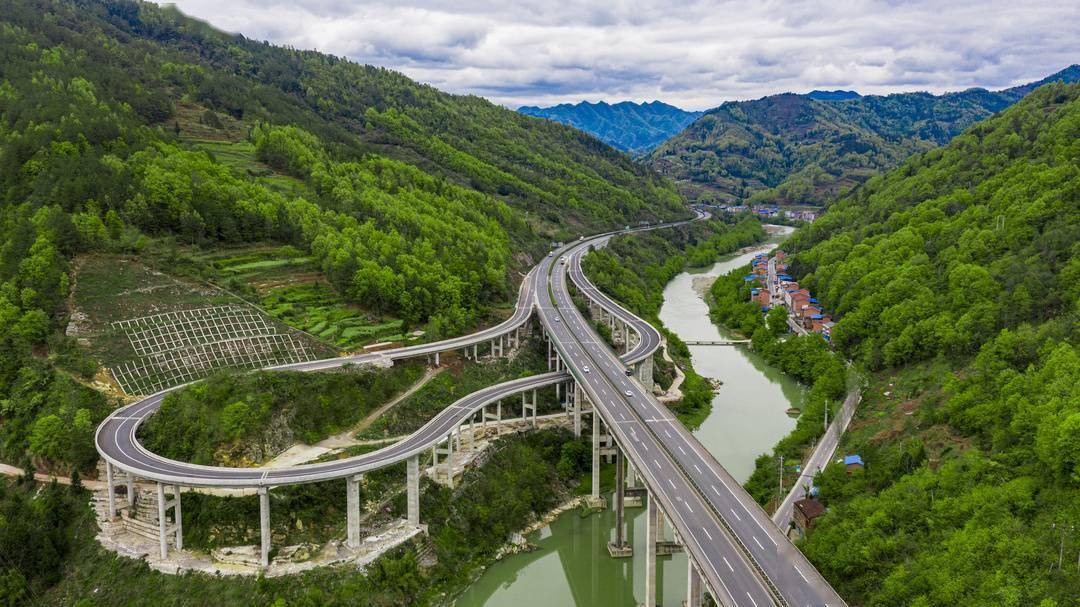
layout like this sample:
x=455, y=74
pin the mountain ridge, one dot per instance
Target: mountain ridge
x=631, y=127
x=794, y=149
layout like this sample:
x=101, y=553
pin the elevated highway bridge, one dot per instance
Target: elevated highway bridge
x=737, y=554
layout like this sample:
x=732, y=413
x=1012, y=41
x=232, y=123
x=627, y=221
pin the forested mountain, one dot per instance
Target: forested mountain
x=808, y=149
x=956, y=280
x=633, y=127
x=413, y=203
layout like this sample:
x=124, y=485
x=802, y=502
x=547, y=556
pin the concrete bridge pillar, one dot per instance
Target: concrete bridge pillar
x=595, y=456
x=650, y=551
x=112, y=490
x=474, y=352
x=412, y=480
x=163, y=544
x=163, y=523
x=132, y=496
x=620, y=547
x=450, y=457
x=436, y=359
x=178, y=519
x=264, y=526
x=526, y=407
x=352, y=511
x=694, y=596
x=577, y=409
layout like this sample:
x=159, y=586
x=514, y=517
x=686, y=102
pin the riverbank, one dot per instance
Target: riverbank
x=568, y=562
x=805, y=358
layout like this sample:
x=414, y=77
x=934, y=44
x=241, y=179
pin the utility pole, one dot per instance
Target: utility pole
x=781, y=498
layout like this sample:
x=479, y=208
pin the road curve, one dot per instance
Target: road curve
x=116, y=437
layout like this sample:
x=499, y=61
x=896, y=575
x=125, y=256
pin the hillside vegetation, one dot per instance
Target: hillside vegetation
x=126, y=127
x=636, y=128
x=955, y=279
x=808, y=149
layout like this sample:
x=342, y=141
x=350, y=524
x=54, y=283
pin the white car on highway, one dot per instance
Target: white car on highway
x=628, y=393
x=585, y=368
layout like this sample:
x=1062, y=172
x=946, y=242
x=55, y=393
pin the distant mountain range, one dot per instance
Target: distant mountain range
x=807, y=149
x=636, y=128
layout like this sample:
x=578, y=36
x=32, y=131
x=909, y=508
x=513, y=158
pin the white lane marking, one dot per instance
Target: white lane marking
x=751, y=599
x=672, y=483
x=735, y=513
x=696, y=468
x=801, y=575
x=656, y=462
x=709, y=535
x=730, y=568
x=666, y=433
x=757, y=542
x=681, y=449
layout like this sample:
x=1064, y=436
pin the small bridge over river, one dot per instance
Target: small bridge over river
x=720, y=342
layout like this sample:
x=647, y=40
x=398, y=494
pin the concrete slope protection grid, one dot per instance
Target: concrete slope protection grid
x=743, y=558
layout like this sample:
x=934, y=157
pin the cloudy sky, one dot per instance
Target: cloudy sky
x=695, y=54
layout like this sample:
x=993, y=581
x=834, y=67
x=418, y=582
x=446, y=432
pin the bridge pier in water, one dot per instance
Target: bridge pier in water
x=650, y=550
x=620, y=548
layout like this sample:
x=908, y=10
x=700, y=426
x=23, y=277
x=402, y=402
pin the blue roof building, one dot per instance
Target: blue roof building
x=853, y=460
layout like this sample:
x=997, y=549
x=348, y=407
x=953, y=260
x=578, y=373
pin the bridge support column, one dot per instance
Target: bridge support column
x=650, y=550
x=352, y=511
x=412, y=480
x=436, y=359
x=132, y=498
x=549, y=354
x=558, y=391
x=693, y=585
x=577, y=410
x=450, y=458
x=163, y=544
x=493, y=348
x=474, y=352
x=112, y=490
x=534, y=408
x=619, y=547
x=595, y=456
x=264, y=526
x=178, y=519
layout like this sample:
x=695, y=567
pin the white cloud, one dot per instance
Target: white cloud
x=695, y=54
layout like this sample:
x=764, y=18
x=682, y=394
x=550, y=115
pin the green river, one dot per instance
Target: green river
x=571, y=565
